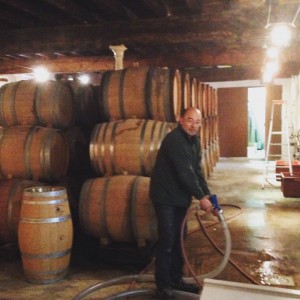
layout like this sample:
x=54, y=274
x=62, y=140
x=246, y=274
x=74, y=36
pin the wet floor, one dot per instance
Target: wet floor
x=264, y=229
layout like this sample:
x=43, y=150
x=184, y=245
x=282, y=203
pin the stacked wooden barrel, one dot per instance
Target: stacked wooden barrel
x=100, y=143
x=209, y=133
x=203, y=96
x=41, y=145
x=139, y=106
x=32, y=115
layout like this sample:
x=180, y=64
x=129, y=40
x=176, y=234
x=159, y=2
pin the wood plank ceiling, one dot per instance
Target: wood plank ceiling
x=198, y=35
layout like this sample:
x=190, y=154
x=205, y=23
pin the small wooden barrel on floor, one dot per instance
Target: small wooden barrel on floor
x=118, y=209
x=11, y=192
x=45, y=234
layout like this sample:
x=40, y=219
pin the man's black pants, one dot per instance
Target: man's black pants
x=168, y=255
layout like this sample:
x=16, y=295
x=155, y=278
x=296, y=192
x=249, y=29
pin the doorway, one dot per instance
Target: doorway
x=256, y=122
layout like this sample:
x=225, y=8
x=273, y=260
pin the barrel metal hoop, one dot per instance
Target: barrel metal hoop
x=121, y=94
x=40, y=193
x=151, y=145
x=45, y=155
x=104, y=103
x=2, y=133
x=2, y=118
x=102, y=146
x=162, y=132
x=13, y=103
x=93, y=148
x=102, y=135
x=112, y=146
x=57, y=121
x=37, y=104
x=27, y=152
x=168, y=101
x=46, y=255
x=133, y=205
x=59, y=274
x=46, y=220
x=142, y=147
x=56, y=201
x=103, y=196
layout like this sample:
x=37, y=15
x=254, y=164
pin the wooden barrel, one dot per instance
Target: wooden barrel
x=142, y=93
x=28, y=102
x=199, y=96
x=186, y=90
x=204, y=164
x=194, y=93
x=118, y=209
x=214, y=102
x=126, y=146
x=86, y=104
x=205, y=87
x=36, y=153
x=45, y=234
x=210, y=101
x=11, y=192
x=206, y=131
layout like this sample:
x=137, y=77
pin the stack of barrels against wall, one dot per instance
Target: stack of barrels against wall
x=99, y=143
x=36, y=122
x=138, y=106
x=203, y=96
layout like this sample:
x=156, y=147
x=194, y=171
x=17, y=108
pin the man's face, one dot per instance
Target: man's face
x=191, y=122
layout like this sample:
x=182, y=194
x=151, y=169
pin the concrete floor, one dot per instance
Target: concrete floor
x=264, y=229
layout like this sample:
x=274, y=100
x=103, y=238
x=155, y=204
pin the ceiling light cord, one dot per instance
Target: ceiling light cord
x=269, y=14
x=296, y=16
x=270, y=11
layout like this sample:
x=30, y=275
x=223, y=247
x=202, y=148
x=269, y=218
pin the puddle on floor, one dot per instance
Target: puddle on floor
x=270, y=275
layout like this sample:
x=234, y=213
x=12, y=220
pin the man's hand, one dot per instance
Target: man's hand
x=205, y=204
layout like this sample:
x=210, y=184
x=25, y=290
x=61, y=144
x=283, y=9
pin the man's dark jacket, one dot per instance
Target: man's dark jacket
x=176, y=175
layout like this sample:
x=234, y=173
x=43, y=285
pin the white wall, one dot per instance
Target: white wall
x=290, y=93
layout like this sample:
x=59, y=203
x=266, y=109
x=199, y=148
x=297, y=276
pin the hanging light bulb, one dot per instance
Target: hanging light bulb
x=41, y=74
x=84, y=79
x=281, y=35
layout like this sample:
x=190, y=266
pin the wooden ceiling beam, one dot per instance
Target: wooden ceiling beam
x=207, y=66
x=11, y=19
x=30, y=12
x=75, y=11
x=139, y=34
x=158, y=7
x=115, y=8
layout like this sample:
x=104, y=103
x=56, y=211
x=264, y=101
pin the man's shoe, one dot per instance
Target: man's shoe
x=186, y=287
x=165, y=293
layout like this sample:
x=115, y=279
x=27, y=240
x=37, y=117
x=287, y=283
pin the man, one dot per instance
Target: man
x=175, y=179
